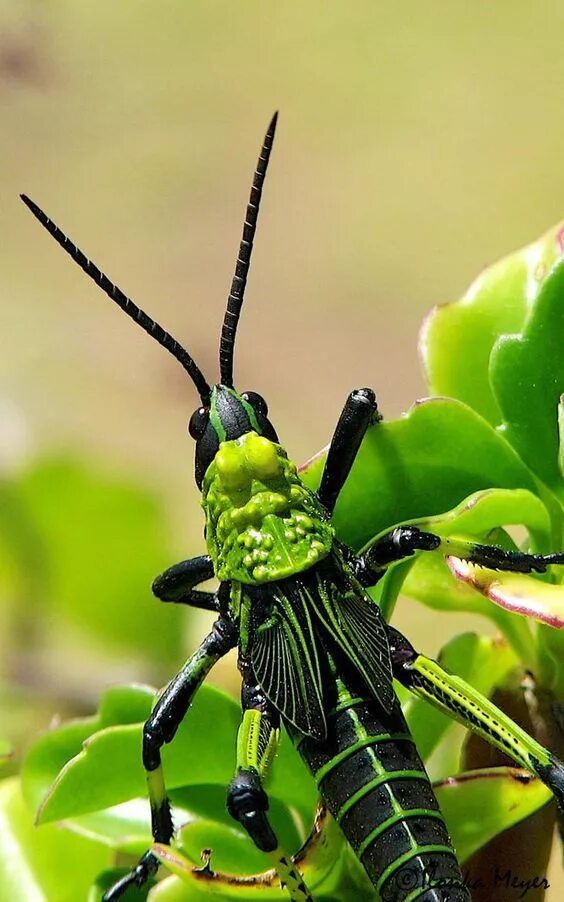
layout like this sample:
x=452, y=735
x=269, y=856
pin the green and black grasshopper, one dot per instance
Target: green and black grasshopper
x=315, y=654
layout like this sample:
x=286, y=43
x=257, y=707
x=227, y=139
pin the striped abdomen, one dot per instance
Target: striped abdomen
x=374, y=784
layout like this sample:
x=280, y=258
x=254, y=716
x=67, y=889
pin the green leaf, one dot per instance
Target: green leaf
x=50, y=753
x=514, y=592
x=129, y=703
x=527, y=377
x=290, y=781
x=479, y=804
x=326, y=869
x=422, y=464
x=36, y=865
x=125, y=828
x=208, y=803
x=232, y=850
x=102, y=543
x=479, y=514
x=431, y=581
x=174, y=889
x=107, y=770
x=457, y=338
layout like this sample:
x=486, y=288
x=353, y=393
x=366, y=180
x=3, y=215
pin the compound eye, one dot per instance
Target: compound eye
x=256, y=401
x=198, y=422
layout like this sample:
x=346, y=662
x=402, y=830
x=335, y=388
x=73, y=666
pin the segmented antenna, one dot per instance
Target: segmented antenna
x=237, y=293
x=127, y=305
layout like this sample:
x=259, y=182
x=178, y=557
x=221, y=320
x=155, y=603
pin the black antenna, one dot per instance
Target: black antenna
x=126, y=304
x=237, y=293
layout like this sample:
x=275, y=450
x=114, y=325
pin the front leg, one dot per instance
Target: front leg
x=495, y=558
x=177, y=584
x=247, y=802
x=404, y=541
x=160, y=729
x=457, y=698
x=359, y=412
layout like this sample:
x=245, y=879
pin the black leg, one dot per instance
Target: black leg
x=359, y=411
x=404, y=541
x=160, y=729
x=177, y=584
x=495, y=558
x=396, y=545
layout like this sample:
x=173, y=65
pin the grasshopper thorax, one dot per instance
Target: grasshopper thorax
x=262, y=523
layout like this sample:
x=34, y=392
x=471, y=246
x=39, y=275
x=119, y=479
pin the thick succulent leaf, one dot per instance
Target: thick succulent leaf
x=207, y=803
x=46, y=758
x=82, y=518
x=108, y=769
x=457, y=338
x=486, y=510
x=232, y=851
x=325, y=867
x=514, y=592
x=88, y=766
x=478, y=517
x=290, y=781
x=481, y=660
x=36, y=865
x=128, y=703
x=422, y=464
x=174, y=889
x=479, y=804
x=561, y=435
x=124, y=828
x=388, y=589
x=527, y=377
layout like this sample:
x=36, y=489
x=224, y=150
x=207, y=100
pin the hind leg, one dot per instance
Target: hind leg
x=247, y=802
x=455, y=697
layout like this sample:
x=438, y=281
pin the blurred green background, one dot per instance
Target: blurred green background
x=417, y=143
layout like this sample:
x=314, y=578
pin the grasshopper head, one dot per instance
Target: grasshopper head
x=228, y=416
